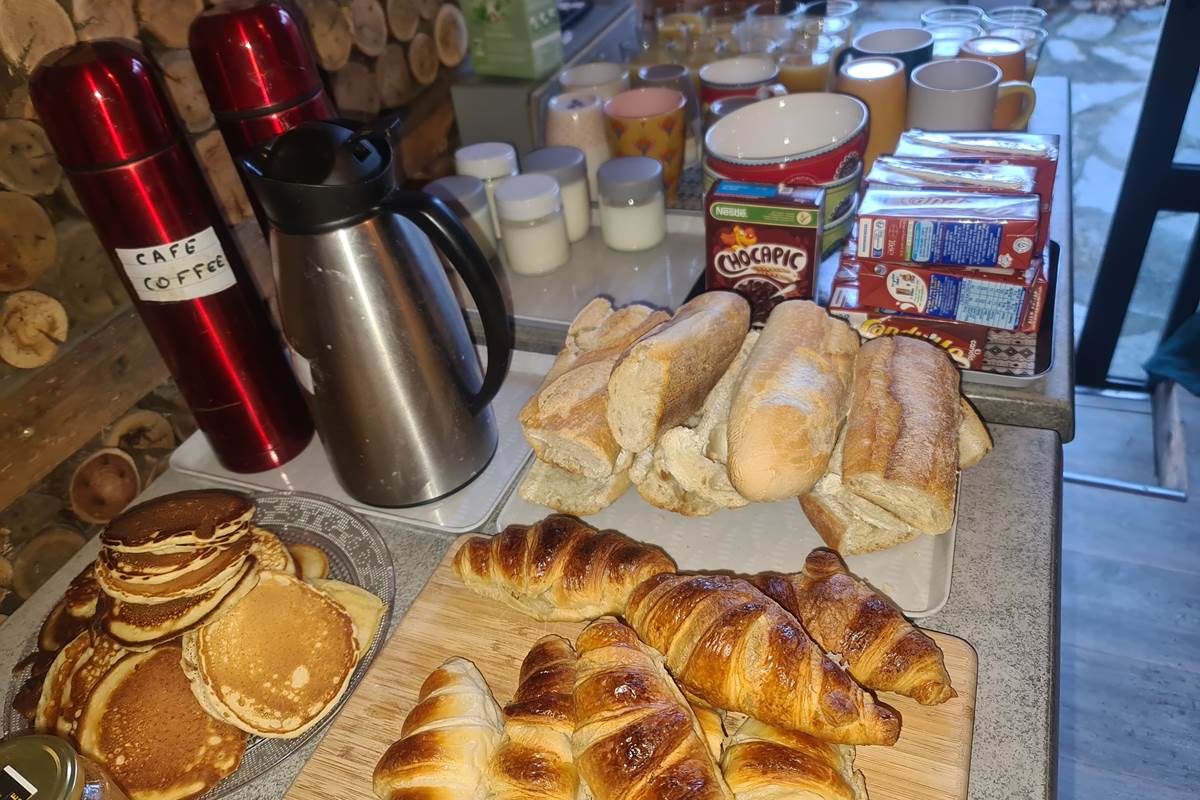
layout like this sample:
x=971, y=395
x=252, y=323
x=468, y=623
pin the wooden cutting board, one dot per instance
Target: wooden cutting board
x=931, y=761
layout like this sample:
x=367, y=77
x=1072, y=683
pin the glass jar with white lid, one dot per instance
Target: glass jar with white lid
x=534, y=231
x=491, y=162
x=633, y=208
x=467, y=198
x=568, y=166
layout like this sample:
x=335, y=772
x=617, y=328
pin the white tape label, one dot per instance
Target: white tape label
x=195, y=266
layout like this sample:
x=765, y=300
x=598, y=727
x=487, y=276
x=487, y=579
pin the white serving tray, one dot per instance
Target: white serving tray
x=768, y=536
x=465, y=510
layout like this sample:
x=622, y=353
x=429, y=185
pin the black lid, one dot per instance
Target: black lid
x=321, y=175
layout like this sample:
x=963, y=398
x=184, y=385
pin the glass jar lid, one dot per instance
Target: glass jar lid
x=486, y=160
x=629, y=180
x=563, y=163
x=42, y=766
x=524, y=198
x=459, y=191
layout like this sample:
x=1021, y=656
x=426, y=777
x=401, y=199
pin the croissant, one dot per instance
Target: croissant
x=882, y=649
x=712, y=724
x=447, y=740
x=534, y=761
x=636, y=737
x=559, y=568
x=766, y=763
x=739, y=650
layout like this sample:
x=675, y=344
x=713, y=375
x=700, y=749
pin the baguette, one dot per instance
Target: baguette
x=565, y=422
x=901, y=442
x=664, y=377
x=974, y=441
x=568, y=493
x=789, y=406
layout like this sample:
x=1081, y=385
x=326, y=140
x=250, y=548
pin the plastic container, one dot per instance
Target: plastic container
x=490, y=162
x=633, y=208
x=48, y=768
x=467, y=197
x=534, y=228
x=568, y=166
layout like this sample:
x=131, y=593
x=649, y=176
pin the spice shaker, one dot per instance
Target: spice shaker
x=568, y=166
x=467, y=198
x=488, y=161
x=108, y=117
x=633, y=208
x=48, y=768
x=531, y=216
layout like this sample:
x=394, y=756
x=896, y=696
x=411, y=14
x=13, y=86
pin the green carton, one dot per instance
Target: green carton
x=514, y=38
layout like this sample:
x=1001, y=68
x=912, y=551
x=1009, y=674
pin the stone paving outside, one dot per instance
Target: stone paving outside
x=1107, y=58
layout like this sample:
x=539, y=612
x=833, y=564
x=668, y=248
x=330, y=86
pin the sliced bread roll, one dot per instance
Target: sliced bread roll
x=789, y=406
x=974, y=441
x=901, y=441
x=664, y=377
x=568, y=493
x=565, y=422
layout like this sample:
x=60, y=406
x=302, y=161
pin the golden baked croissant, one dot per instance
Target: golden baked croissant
x=739, y=650
x=882, y=649
x=762, y=762
x=534, y=761
x=712, y=724
x=559, y=568
x=447, y=741
x=636, y=737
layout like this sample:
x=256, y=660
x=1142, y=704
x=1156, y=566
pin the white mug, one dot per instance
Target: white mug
x=960, y=94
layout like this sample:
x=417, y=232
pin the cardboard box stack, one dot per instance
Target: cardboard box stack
x=951, y=244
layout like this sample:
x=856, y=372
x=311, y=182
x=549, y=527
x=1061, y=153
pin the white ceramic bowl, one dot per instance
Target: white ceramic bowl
x=784, y=128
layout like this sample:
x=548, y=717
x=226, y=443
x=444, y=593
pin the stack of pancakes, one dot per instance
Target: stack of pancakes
x=191, y=630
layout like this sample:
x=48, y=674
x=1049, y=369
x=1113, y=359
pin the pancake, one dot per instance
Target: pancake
x=271, y=552
x=311, y=561
x=48, y=706
x=103, y=652
x=71, y=614
x=211, y=575
x=364, y=608
x=277, y=662
x=141, y=625
x=192, y=518
x=144, y=725
x=132, y=566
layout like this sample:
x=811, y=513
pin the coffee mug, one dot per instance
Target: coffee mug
x=961, y=94
x=1009, y=56
x=603, y=78
x=576, y=119
x=745, y=76
x=913, y=46
x=881, y=84
x=649, y=122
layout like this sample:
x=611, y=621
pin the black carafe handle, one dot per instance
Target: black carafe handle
x=448, y=235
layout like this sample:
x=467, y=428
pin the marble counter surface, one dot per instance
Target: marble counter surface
x=1004, y=601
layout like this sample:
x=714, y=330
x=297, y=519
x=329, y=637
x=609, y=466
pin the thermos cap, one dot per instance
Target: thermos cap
x=459, y=190
x=486, y=160
x=632, y=179
x=563, y=163
x=102, y=104
x=252, y=55
x=523, y=198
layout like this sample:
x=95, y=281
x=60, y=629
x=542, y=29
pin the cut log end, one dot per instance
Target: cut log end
x=356, y=90
x=29, y=29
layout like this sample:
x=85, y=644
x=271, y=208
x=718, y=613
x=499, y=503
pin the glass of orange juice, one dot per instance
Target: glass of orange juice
x=807, y=66
x=680, y=19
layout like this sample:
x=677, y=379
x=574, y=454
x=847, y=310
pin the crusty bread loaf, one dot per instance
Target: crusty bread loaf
x=974, y=441
x=664, y=377
x=901, y=441
x=566, y=420
x=790, y=404
x=566, y=492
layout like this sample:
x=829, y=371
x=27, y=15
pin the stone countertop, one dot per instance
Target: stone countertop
x=1003, y=600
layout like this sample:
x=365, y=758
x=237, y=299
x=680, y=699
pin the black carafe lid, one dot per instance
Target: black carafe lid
x=320, y=176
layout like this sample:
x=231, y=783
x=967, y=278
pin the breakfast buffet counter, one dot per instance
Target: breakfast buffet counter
x=1003, y=601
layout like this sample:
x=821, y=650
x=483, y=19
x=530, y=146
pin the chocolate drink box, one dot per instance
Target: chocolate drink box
x=763, y=241
x=948, y=228
x=889, y=172
x=980, y=298
x=1037, y=150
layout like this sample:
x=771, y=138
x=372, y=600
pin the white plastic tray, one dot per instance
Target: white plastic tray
x=465, y=510
x=768, y=536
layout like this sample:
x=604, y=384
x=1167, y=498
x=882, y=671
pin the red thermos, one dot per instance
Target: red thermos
x=116, y=134
x=258, y=70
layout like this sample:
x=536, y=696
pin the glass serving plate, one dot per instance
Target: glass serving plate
x=356, y=555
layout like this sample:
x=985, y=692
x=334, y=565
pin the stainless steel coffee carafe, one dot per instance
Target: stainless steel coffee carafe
x=378, y=339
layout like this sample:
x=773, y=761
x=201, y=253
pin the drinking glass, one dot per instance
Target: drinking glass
x=764, y=34
x=1032, y=37
x=841, y=15
x=1005, y=16
x=680, y=18
x=706, y=48
x=948, y=38
x=807, y=65
x=951, y=15
x=724, y=14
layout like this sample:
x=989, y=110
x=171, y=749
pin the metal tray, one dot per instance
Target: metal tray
x=356, y=554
